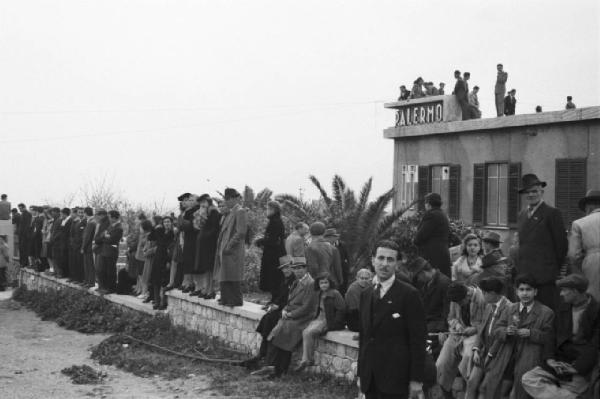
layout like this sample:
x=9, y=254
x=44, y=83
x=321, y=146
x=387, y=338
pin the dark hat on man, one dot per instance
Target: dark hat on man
x=331, y=233
x=491, y=236
x=456, y=292
x=418, y=265
x=530, y=180
x=231, y=193
x=184, y=196
x=285, y=261
x=317, y=229
x=591, y=195
x=576, y=281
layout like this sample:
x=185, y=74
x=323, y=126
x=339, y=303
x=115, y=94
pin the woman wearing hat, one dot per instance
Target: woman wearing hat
x=273, y=246
x=584, y=242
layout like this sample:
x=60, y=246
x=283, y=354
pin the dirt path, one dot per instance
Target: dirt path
x=33, y=352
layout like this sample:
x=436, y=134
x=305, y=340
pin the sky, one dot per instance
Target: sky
x=162, y=97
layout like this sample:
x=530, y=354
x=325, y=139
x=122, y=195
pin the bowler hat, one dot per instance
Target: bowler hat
x=491, y=236
x=184, y=196
x=576, y=281
x=331, y=233
x=591, y=195
x=530, y=180
x=284, y=261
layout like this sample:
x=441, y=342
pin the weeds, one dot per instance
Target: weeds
x=83, y=374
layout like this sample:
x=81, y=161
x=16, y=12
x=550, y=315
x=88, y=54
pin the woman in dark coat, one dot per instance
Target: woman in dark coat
x=433, y=234
x=273, y=245
x=159, y=275
x=207, y=222
x=189, y=244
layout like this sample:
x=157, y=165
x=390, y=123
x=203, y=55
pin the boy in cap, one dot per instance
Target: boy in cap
x=574, y=352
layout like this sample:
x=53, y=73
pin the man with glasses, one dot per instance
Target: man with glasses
x=542, y=240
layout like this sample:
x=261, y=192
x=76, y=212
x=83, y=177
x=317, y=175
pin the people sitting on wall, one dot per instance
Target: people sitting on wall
x=495, y=309
x=570, y=104
x=441, y=89
x=494, y=263
x=362, y=282
x=475, y=113
x=295, y=317
x=465, y=317
x=521, y=338
x=573, y=354
x=469, y=262
x=272, y=316
x=510, y=103
x=404, y=94
x=329, y=315
x=417, y=89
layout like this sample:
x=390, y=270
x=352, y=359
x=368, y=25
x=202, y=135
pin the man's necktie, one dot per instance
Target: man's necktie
x=522, y=315
x=377, y=292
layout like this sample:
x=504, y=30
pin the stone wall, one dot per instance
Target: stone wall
x=336, y=353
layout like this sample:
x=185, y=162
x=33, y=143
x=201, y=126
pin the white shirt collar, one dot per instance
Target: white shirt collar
x=528, y=307
x=385, y=285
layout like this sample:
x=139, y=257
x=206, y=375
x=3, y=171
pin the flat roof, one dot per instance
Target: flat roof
x=501, y=122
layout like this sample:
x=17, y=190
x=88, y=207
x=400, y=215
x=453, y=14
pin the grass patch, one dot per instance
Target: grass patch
x=87, y=313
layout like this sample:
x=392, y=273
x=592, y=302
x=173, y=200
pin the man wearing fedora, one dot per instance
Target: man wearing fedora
x=542, y=240
x=584, y=242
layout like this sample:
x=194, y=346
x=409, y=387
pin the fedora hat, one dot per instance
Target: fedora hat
x=530, y=180
x=331, y=233
x=591, y=195
x=298, y=261
x=284, y=261
x=490, y=236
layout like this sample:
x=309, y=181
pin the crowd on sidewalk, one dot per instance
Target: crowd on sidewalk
x=498, y=325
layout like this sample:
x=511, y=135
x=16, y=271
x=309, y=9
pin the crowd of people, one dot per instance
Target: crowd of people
x=506, y=102
x=498, y=325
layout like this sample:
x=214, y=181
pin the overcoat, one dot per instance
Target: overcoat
x=528, y=352
x=88, y=236
x=301, y=306
x=584, y=249
x=271, y=318
x=229, y=261
x=273, y=244
x=542, y=243
x=165, y=241
x=189, y=240
x=484, y=338
x=322, y=257
x=206, y=245
x=432, y=238
x=109, y=243
x=392, y=339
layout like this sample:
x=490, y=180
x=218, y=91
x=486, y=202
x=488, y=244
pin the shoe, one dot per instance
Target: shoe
x=168, y=288
x=155, y=307
x=198, y=293
x=162, y=307
x=141, y=296
x=264, y=371
x=147, y=300
x=302, y=366
x=185, y=290
x=212, y=295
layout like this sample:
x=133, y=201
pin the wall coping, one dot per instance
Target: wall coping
x=503, y=122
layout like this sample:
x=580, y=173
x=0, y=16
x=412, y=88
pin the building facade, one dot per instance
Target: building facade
x=476, y=165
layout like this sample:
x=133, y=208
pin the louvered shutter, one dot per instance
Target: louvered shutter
x=514, y=178
x=424, y=185
x=454, y=192
x=478, y=194
x=570, y=187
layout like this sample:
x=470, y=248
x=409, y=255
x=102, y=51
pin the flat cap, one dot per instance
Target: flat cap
x=576, y=281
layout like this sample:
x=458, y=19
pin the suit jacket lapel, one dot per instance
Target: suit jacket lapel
x=383, y=304
x=367, y=311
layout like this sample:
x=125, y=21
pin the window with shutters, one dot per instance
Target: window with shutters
x=570, y=187
x=444, y=180
x=409, y=184
x=495, y=194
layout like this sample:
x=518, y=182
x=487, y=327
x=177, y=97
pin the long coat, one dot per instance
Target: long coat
x=109, y=242
x=527, y=352
x=88, y=236
x=229, y=262
x=322, y=257
x=542, y=243
x=491, y=317
x=273, y=244
x=206, y=244
x=301, y=306
x=432, y=240
x=189, y=240
x=392, y=339
x=584, y=249
x=165, y=241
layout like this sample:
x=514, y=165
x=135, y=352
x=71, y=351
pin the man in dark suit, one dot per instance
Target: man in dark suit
x=24, y=232
x=510, y=103
x=75, y=241
x=391, y=359
x=542, y=240
x=109, y=252
x=461, y=93
x=433, y=234
x=89, y=275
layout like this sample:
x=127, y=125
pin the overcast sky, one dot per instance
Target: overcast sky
x=162, y=97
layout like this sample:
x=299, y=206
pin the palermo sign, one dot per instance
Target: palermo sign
x=420, y=114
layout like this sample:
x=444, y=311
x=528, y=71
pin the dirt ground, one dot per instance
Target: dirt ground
x=33, y=352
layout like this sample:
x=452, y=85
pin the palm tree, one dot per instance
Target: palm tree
x=361, y=223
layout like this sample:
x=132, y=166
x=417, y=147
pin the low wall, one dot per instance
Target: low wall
x=336, y=352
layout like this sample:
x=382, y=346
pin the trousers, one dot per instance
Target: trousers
x=89, y=273
x=499, y=104
x=541, y=384
x=107, y=266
